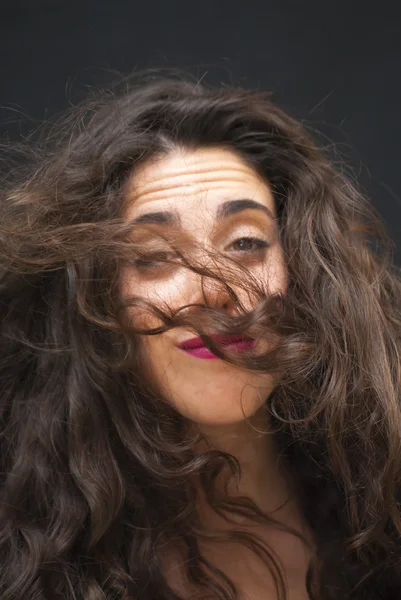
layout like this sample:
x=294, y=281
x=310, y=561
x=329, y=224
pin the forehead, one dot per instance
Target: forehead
x=194, y=180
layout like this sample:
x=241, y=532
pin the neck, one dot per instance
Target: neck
x=263, y=476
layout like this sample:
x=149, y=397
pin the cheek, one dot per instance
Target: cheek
x=167, y=294
x=131, y=286
x=275, y=273
x=183, y=287
x=158, y=291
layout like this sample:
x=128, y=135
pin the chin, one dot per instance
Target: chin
x=215, y=415
x=220, y=420
x=219, y=401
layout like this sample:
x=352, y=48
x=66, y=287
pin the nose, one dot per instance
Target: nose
x=200, y=289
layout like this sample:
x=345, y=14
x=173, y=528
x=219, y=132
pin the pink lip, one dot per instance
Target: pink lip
x=195, y=346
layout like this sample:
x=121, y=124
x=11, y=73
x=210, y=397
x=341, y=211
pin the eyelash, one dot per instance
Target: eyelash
x=261, y=245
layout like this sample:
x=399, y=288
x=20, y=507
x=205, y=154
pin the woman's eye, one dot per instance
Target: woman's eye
x=154, y=259
x=249, y=244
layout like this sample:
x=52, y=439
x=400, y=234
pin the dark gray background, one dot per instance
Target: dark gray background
x=335, y=65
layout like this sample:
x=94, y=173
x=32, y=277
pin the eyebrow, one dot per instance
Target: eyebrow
x=226, y=209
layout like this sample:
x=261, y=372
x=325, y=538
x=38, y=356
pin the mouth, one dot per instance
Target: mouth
x=196, y=347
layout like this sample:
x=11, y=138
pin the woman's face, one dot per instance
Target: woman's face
x=201, y=193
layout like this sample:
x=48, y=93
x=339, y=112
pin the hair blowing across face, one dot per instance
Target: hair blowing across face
x=96, y=469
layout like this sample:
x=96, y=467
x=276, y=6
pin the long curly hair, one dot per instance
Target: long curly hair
x=97, y=469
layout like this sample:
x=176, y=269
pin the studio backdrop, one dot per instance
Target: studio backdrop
x=334, y=65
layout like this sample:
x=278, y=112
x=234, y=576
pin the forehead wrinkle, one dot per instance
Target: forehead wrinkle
x=151, y=175
x=197, y=163
x=157, y=190
x=194, y=174
x=210, y=173
x=194, y=162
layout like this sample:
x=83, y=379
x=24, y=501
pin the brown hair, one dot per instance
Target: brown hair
x=96, y=470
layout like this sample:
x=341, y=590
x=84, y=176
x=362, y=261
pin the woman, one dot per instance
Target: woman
x=200, y=359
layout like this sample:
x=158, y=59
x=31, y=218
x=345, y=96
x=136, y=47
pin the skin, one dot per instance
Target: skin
x=195, y=184
x=225, y=402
